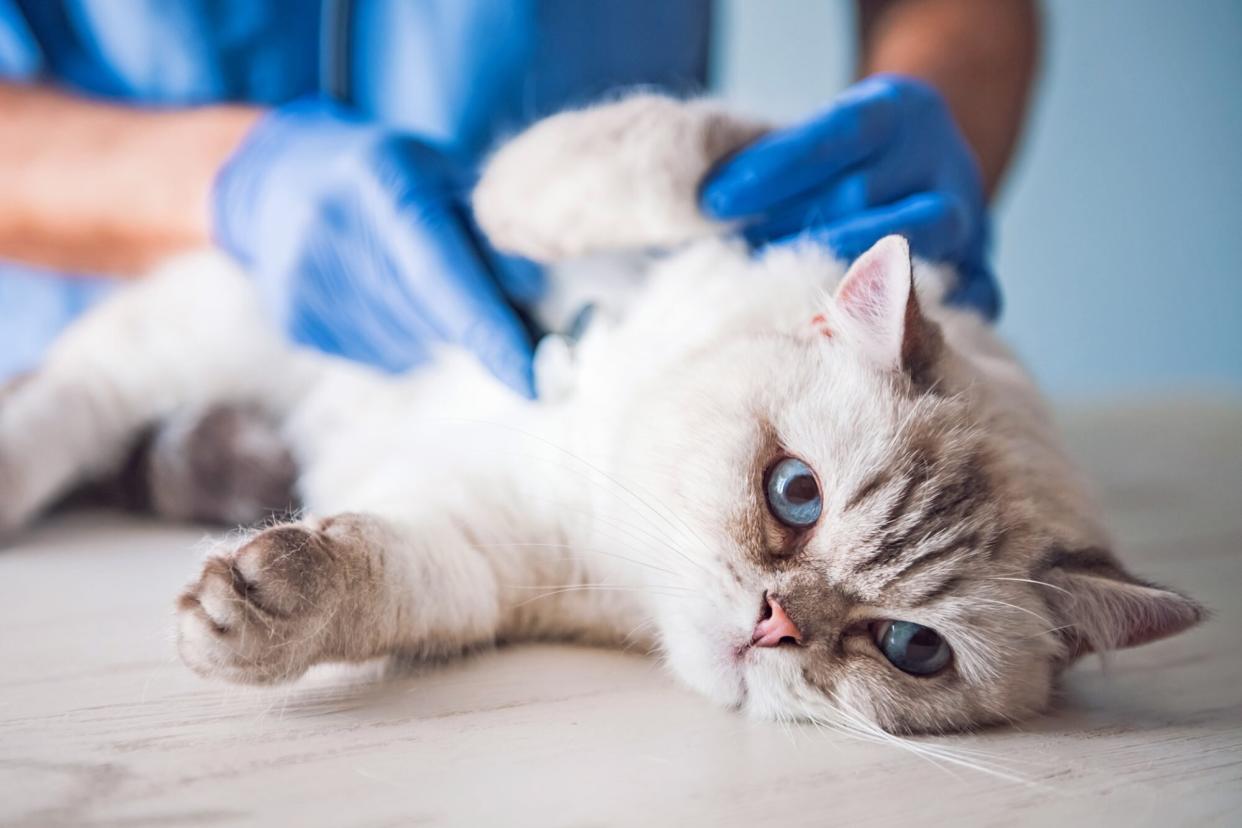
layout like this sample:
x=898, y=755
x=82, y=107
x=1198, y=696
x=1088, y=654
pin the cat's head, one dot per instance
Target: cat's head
x=899, y=526
x=856, y=532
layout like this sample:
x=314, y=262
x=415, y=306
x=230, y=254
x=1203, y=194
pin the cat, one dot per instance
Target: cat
x=816, y=491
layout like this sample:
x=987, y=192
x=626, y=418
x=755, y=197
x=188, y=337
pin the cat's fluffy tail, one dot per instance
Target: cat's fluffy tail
x=619, y=176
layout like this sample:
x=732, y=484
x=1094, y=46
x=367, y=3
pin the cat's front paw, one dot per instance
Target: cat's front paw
x=282, y=601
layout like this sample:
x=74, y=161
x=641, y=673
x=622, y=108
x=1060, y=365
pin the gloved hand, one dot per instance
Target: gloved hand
x=361, y=243
x=885, y=158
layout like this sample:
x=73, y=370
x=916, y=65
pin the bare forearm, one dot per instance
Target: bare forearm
x=980, y=54
x=103, y=188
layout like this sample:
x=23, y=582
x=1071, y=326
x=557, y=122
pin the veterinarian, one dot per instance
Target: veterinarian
x=329, y=147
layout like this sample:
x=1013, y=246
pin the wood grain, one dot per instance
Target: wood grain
x=99, y=725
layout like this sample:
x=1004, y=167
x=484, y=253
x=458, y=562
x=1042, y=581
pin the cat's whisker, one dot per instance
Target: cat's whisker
x=999, y=602
x=929, y=751
x=596, y=477
x=632, y=531
x=997, y=758
x=858, y=728
x=585, y=555
x=646, y=528
x=635, y=588
x=601, y=588
x=866, y=729
x=1031, y=581
x=644, y=532
x=641, y=625
x=634, y=496
x=969, y=760
x=1049, y=631
x=663, y=541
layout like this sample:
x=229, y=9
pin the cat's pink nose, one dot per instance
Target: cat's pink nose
x=775, y=627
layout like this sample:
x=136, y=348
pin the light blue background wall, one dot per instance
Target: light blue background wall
x=1120, y=228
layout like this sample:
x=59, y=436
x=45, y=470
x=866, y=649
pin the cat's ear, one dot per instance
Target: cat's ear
x=878, y=300
x=1101, y=606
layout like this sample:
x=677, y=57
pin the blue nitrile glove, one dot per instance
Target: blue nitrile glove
x=361, y=243
x=885, y=158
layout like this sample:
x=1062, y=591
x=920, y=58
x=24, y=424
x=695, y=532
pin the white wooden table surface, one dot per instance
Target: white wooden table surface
x=99, y=724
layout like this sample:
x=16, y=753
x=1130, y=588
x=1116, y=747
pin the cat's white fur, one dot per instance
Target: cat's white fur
x=615, y=509
x=635, y=200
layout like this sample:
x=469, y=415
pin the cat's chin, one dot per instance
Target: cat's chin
x=711, y=665
x=737, y=675
x=714, y=653
x=764, y=684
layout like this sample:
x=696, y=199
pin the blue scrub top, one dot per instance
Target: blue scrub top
x=462, y=72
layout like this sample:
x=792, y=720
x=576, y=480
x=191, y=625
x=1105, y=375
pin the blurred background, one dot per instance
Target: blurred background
x=1119, y=230
x=1118, y=240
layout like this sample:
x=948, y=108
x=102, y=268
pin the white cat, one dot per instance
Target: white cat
x=812, y=491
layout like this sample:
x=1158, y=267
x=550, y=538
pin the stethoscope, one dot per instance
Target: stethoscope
x=336, y=49
x=336, y=82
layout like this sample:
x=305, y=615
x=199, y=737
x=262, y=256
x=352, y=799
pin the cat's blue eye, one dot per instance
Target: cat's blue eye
x=793, y=493
x=912, y=648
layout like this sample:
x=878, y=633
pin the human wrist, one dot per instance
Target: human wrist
x=181, y=150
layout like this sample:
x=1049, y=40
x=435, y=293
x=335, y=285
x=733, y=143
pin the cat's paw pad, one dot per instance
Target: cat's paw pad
x=265, y=611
